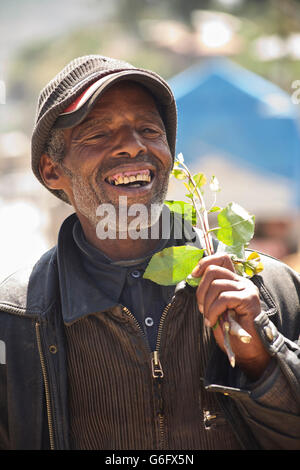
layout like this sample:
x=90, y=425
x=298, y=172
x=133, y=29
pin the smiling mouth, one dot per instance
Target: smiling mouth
x=131, y=179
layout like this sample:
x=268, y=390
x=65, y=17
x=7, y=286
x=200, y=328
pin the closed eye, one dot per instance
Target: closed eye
x=151, y=130
x=101, y=135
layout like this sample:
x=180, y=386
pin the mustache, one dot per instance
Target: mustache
x=111, y=165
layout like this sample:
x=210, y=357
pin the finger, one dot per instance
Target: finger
x=243, y=302
x=211, y=273
x=226, y=300
x=216, y=287
x=218, y=259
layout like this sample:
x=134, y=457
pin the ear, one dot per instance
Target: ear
x=51, y=173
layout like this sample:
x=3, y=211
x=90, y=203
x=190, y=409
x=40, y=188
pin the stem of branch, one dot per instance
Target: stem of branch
x=204, y=219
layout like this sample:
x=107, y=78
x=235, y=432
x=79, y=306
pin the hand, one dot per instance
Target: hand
x=222, y=289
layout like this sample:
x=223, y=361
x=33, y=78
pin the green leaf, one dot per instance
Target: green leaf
x=236, y=225
x=200, y=179
x=179, y=174
x=249, y=270
x=239, y=268
x=253, y=262
x=193, y=281
x=215, y=209
x=183, y=208
x=247, y=267
x=238, y=250
x=172, y=265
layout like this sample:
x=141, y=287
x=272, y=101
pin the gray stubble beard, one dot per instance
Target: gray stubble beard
x=88, y=201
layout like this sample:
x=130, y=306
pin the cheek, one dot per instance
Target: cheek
x=83, y=159
x=168, y=161
x=162, y=151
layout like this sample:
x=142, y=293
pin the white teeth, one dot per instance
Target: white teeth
x=147, y=178
x=130, y=179
x=119, y=180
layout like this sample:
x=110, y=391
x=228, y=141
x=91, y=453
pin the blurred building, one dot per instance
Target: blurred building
x=244, y=130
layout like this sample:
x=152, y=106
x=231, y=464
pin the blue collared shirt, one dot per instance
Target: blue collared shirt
x=91, y=283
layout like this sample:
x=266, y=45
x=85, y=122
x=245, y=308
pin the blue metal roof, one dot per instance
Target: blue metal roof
x=225, y=109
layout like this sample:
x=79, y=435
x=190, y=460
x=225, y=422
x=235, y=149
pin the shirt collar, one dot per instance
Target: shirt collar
x=89, y=281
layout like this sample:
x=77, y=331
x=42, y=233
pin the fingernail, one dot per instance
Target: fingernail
x=207, y=322
x=195, y=271
x=200, y=308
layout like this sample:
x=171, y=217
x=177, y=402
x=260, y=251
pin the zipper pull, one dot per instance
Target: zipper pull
x=207, y=419
x=157, y=371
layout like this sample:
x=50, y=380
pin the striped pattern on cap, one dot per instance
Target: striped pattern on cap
x=68, y=84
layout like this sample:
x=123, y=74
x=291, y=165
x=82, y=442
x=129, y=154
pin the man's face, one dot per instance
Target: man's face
x=120, y=149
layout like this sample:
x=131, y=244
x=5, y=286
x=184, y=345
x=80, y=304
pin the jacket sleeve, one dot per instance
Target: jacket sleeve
x=271, y=406
x=4, y=435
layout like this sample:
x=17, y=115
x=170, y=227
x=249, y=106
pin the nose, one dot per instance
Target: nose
x=128, y=143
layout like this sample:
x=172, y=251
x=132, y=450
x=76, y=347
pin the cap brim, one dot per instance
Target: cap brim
x=74, y=115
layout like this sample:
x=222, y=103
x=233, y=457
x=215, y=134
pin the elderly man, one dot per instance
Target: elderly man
x=94, y=355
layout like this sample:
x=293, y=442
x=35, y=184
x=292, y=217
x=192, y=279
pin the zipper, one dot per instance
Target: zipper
x=207, y=418
x=20, y=312
x=46, y=384
x=157, y=371
x=159, y=374
x=155, y=358
x=156, y=367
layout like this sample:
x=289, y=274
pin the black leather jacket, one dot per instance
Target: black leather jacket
x=33, y=377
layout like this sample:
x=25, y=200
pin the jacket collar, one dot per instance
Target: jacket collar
x=34, y=290
x=20, y=293
x=82, y=268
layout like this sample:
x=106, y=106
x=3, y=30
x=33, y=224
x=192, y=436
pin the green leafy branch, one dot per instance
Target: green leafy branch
x=235, y=230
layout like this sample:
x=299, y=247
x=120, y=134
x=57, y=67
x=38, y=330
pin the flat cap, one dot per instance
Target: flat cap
x=71, y=94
